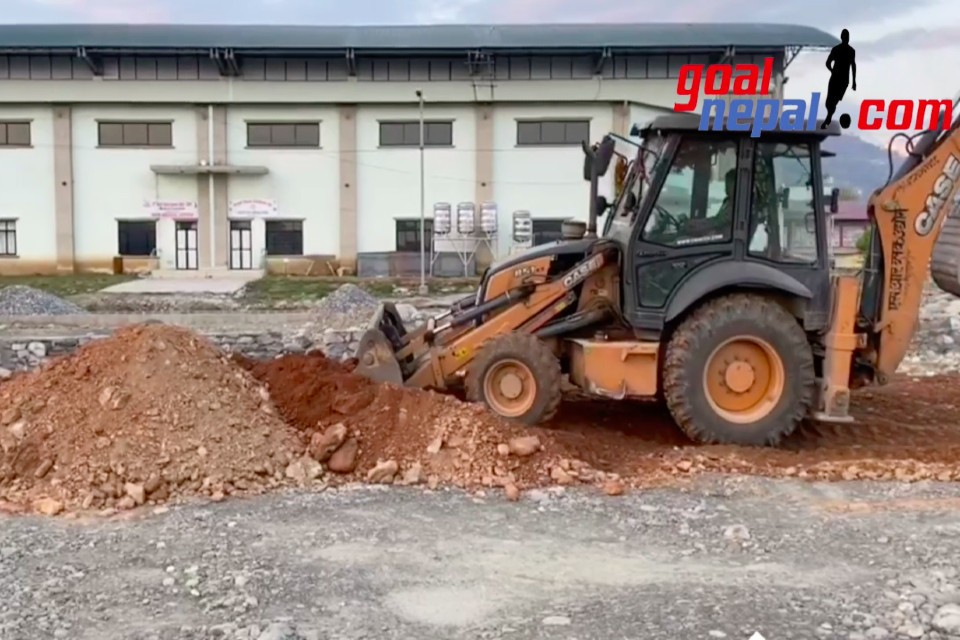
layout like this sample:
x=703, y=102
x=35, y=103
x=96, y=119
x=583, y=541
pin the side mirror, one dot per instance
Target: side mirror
x=588, y=155
x=810, y=221
x=602, y=205
x=785, y=197
x=834, y=200
x=604, y=155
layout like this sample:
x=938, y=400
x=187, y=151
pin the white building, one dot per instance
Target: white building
x=216, y=147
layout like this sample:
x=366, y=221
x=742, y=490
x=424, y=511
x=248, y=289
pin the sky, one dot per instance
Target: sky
x=905, y=50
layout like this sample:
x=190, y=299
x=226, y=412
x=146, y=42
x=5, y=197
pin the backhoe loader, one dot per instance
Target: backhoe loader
x=709, y=288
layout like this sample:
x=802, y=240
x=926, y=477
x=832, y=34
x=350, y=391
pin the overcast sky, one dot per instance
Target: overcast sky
x=904, y=49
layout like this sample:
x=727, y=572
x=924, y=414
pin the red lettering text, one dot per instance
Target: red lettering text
x=905, y=115
x=721, y=79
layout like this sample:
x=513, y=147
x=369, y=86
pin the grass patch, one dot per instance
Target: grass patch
x=306, y=289
x=67, y=285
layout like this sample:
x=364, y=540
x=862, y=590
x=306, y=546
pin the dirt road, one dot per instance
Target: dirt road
x=722, y=559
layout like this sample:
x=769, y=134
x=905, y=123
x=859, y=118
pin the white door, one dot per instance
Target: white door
x=241, y=244
x=186, y=245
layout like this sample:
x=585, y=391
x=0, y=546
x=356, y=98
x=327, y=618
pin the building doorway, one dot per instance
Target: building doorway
x=241, y=244
x=186, y=245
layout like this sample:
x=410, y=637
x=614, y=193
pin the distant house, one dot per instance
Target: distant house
x=847, y=225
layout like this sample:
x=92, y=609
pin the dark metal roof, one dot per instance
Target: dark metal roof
x=392, y=38
x=691, y=122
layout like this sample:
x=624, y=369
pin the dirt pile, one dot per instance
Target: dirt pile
x=152, y=413
x=383, y=433
x=908, y=430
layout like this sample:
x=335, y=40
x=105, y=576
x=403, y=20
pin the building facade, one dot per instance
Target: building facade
x=208, y=148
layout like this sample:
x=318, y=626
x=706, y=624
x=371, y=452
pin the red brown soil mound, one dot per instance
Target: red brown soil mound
x=449, y=440
x=150, y=413
x=907, y=430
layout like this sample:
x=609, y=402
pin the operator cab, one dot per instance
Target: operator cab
x=704, y=212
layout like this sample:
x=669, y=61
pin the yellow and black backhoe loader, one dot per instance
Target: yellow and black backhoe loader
x=710, y=288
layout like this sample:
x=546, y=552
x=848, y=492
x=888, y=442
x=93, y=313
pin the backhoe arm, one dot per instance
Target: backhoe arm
x=917, y=226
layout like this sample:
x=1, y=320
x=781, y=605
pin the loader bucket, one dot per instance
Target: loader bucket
x=945, y=262
x=376, y=352
x=376, y=359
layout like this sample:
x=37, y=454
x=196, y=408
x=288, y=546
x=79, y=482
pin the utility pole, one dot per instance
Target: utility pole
x=424, y=290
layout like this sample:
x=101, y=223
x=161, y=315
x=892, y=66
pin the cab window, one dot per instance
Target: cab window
x=696, y=203
x=783, y=220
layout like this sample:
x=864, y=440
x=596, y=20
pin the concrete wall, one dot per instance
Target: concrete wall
x=27, y=191
x=67, y=194
x=390, y=176
x=111, y=184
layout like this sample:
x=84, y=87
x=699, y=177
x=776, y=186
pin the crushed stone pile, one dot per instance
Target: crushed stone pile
x=347, y=307
x=935, y=347
x=388, y=434
x=150, y=414
x=21, y=300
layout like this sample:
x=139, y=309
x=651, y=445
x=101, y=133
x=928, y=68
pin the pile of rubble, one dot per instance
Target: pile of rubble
x=936, y=344
x=152, y=413
x=21, y=300
x=339, y=320
x=157, y=413
x=382, y=433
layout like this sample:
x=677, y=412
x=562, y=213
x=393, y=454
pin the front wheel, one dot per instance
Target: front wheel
x=739, y=370
x=518, y=377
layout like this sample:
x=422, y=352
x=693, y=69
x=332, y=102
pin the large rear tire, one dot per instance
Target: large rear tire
x=739, y=370
x=516, y=376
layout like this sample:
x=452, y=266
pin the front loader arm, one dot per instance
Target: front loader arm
x=917, y=220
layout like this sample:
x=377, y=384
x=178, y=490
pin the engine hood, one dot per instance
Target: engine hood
x=559, y=247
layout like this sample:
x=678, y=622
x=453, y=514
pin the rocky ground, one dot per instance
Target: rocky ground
x=566, y=540
x=722, y=558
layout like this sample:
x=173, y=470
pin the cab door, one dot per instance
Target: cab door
x=687, y=226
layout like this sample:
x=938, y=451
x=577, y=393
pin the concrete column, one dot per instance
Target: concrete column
x=204, y=226
x=221, y=225
x=348, y=188
x=621, y=119
x=63, y=186
x=484, y=191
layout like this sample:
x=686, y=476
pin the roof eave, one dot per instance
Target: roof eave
x=387, y=51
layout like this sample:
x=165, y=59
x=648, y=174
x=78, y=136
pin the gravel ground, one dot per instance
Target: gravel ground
x=20, y=300
x=348, y=306
x=725, y=558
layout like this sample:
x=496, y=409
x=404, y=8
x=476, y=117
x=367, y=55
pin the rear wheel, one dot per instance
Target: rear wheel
x=739, y=370
x=518, y=377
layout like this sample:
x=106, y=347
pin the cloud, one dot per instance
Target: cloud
x=828, y=14
x=917, y=39
x=125, y=11
x=831, y=15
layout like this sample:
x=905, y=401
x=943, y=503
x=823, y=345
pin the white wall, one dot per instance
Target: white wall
x=305, y=183
x=389, y=178
x=112, y=184
x=26, y=185
x=547, y=181
x=228, y=90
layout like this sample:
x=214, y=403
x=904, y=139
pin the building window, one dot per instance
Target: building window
x=136, y=237
x=284, y=238
x=8, y=237
x=408, y=235
x=283, y=134
x=552, y=132
x=547, y=230
x=135, y=134
x=14, y=134
x=407, y=134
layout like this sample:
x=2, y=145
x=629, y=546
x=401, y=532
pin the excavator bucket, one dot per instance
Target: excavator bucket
x=945, y=262
x=376, y=359
x=376, y=351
